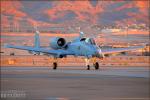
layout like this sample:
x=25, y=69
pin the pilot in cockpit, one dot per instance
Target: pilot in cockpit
x=90, y=41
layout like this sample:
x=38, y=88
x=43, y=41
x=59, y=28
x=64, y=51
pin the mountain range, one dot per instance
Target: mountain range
x=73, y=12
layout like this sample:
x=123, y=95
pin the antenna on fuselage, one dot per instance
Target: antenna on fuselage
x=36, y=38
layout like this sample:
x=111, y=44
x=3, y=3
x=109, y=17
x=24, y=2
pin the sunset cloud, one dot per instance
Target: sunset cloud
x=12, y=8
x=143, y=6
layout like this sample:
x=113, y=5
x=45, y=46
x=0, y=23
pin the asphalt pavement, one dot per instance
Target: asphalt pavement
x=75, y=83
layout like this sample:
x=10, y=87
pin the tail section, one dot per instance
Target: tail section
x=37, y=39
x=81, y=34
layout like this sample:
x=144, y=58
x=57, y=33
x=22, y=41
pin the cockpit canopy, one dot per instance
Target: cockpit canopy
x=88, y=40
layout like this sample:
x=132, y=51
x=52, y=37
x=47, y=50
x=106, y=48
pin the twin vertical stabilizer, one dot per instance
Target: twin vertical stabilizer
x=81, y=34
x=37, y=39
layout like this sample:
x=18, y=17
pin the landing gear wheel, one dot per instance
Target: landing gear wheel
x=88, y=67
x=96, y=65
x=54, y=65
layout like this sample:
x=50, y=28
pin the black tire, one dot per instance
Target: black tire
x=96, y=65
x=54, y=65
x=88, y=67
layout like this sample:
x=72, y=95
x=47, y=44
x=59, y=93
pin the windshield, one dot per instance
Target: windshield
x=89, y=40
x=92, y=41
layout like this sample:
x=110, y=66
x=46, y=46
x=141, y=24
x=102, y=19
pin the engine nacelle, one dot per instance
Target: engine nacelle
x=57, y=43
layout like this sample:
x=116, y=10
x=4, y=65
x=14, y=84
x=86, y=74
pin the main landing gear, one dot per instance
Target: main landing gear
x=87, y=63
x=55, y=64
x=95, y=64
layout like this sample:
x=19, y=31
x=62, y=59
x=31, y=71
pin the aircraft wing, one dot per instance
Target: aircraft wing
x=43, y=50
x=119, y=50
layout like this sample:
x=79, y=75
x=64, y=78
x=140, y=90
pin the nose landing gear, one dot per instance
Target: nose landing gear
x=87, y=63
x=55, y=65
x=96, y=65
x=88, y=67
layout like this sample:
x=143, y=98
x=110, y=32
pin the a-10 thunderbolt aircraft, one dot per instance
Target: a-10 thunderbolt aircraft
x=81, y=46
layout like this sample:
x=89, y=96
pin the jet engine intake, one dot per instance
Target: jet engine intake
x=57, y=43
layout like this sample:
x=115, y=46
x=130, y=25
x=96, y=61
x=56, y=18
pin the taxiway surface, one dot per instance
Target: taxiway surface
x=70, y=83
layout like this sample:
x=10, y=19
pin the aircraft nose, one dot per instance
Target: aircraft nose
x=100, y=54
